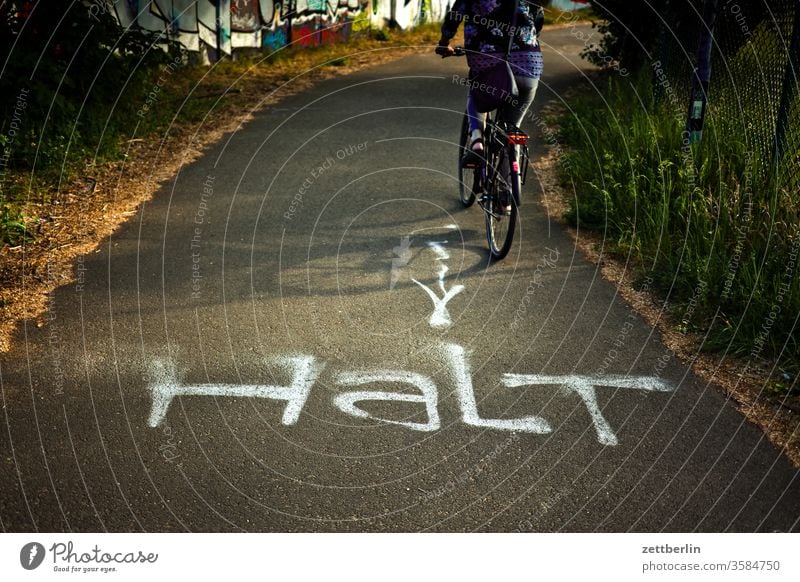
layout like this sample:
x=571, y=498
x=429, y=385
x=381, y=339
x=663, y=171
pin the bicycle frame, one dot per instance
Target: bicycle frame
x=497, y=138
x=497, y=178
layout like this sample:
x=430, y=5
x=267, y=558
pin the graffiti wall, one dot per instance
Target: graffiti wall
x=224, y=25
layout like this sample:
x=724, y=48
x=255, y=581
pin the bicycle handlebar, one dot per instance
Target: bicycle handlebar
x=458, y=51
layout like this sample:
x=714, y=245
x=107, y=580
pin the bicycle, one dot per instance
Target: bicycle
x=496, y=182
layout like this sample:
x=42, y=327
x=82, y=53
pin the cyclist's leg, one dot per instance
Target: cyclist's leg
x=514, y=111
x=477, y=122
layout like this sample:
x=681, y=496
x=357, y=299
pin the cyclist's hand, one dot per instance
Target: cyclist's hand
x=445, y=50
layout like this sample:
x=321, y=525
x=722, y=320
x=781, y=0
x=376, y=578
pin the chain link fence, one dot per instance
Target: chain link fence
x=753, y=92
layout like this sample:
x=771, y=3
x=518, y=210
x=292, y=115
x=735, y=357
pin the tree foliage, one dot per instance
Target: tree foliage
x=629, y=30
x=70, y=77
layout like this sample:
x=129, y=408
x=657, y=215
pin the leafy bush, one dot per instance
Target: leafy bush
x=12, y=225
x=629, y=29
x=82, y=78
x=381, y=34
x=72, y=84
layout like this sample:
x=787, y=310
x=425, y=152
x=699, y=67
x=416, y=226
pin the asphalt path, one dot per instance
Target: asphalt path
x=302, y=258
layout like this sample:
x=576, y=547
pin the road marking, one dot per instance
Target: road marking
x=430, y=395
x=304, y=371
x=440, y=318
x=584, y=387
x=465, y=393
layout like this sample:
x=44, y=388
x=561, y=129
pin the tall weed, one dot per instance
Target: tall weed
x=714, y=230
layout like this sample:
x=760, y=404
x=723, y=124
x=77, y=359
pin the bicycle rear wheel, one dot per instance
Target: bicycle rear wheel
x=467, y=177
x=500, y=223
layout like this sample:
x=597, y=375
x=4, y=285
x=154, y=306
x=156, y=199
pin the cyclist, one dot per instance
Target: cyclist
x=487, y=31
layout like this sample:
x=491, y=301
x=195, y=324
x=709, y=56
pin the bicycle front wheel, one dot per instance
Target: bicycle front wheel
x=501, y=213
x=467, y=177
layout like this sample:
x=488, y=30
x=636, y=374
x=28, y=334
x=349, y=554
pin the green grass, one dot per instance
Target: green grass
x=381, y=34
x=12, y=225
x=340, y=62
x=76, y=136
x=715, y=233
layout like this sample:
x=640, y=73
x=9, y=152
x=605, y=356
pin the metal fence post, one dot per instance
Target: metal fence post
x=702, y=73
x=789, y=91
x=663, y=53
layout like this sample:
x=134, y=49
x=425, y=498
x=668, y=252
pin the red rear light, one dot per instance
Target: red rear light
x=517, y=138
